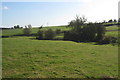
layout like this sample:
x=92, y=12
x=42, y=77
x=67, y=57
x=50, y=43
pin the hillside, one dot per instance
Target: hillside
x=26, y=57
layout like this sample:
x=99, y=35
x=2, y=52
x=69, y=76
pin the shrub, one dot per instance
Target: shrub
x=88, y=33
x=49, y=34
x=17, y=27
x=71, y=35
x=27, y=31
x=40, y=35
x=58, y=31
x=78, y=22
x=100, y=32
x=108, y=40
x=29, y=26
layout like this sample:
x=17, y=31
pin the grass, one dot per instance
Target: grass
x=112, y=28
x=12, y=32
x=25, y=57
x=34, y=30
x=112, y=33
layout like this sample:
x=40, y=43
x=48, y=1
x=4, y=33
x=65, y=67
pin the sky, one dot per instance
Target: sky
x=53, y=13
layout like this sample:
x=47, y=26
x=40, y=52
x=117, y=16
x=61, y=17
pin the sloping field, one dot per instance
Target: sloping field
x=25, y=57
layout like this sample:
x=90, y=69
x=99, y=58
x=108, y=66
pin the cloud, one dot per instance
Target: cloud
x=4, y=8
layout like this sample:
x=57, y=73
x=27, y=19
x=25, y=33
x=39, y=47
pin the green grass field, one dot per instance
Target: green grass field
x=112, y=28
x=25, y=57
x=63, y=28
x=34, y=30
x=112, y=33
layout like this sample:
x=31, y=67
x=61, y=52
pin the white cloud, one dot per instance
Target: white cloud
x=4, y=8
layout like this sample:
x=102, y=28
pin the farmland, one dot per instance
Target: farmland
x=26, y=57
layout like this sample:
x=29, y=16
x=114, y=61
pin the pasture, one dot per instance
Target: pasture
x=34, y=30
x=26, y=57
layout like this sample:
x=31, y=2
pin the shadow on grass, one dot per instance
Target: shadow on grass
x=34, y=34
x=47, y=39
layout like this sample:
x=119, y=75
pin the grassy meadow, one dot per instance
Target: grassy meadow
x=26, y=57
x=34, y=30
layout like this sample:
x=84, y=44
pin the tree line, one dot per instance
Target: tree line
x=81, y=32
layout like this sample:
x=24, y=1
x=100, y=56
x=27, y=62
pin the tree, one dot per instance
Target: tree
x=49, y=34
x=27, y=31
x=29, y=26
x=110, y=20
x=18, y=26
x=88, y=32
x=115, y=20
x=15, y=27
x=85, y=32
x=78, y=22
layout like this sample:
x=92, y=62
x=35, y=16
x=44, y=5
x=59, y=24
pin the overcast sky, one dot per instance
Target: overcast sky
x=55, y=12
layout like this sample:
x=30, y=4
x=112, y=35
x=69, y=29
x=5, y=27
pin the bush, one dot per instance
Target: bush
x=58, y=31
x=17, y=27
x=49, y=34
x=100, y=32
x=40, y=35
x=88, y=33
x=27, y=31
x=71, y=35
x=108, y=40
x=78, y=22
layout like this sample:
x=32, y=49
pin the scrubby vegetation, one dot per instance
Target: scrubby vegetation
x=40, y=35
x=49, y=34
